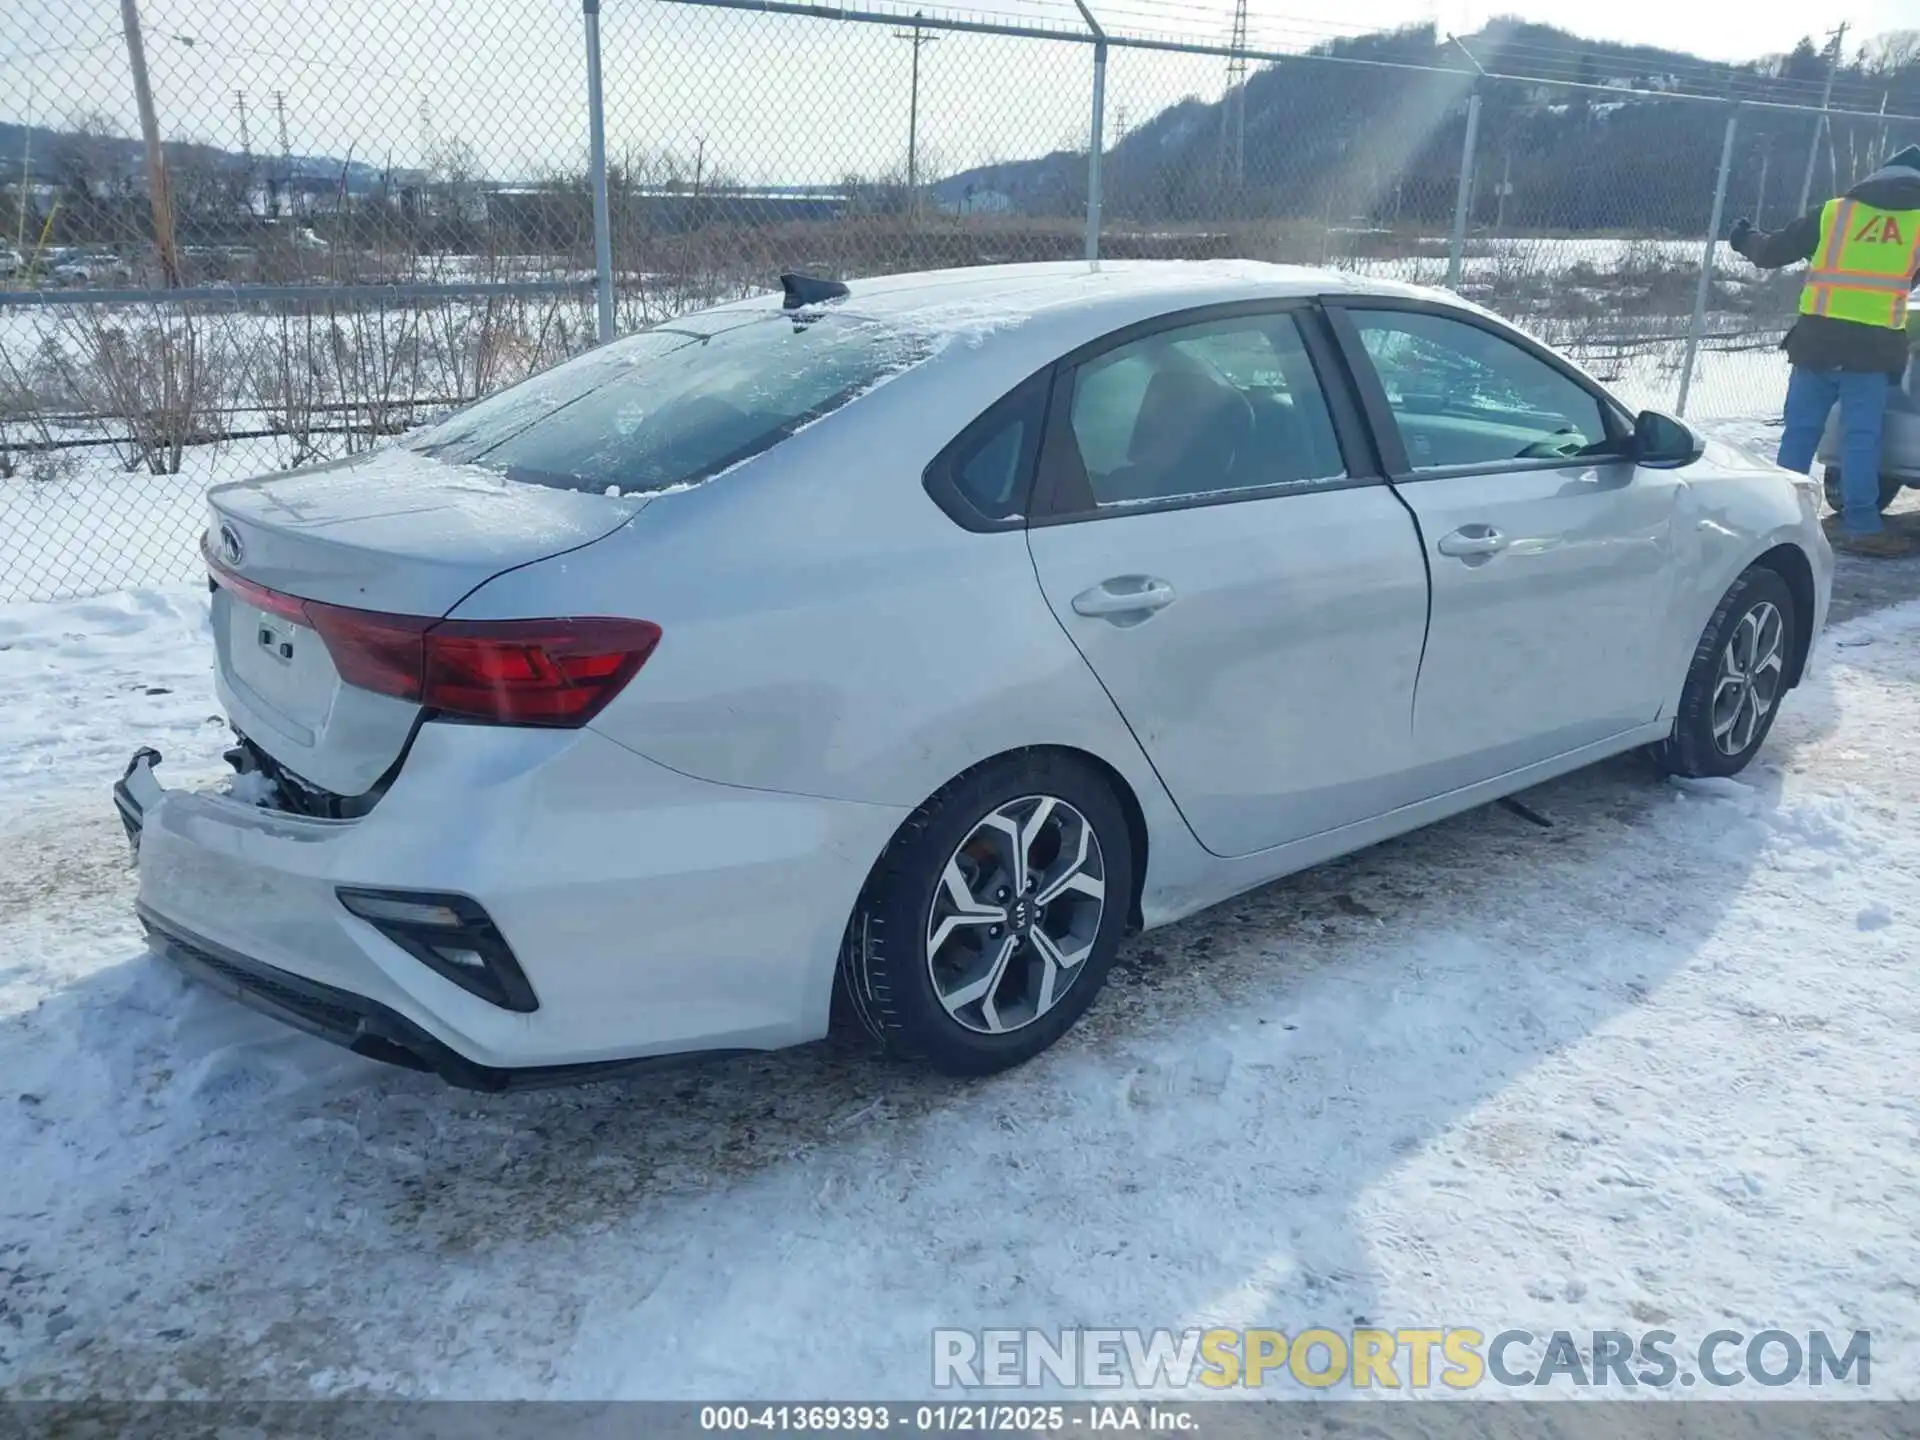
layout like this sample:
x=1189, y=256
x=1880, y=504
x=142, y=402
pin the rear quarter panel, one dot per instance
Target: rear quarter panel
x=827, y=630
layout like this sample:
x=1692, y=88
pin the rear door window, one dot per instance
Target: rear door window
x=1208, y=409
x=673, y=406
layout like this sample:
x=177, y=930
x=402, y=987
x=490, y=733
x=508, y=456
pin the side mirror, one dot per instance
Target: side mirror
x=1664, y=443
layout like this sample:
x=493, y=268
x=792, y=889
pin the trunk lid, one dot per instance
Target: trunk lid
x=399, y=531
x=395, y=532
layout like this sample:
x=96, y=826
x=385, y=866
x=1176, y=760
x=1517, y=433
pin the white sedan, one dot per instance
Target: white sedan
x=888, y=651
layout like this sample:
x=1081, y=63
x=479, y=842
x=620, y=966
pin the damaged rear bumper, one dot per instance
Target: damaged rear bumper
x=342, y=1017
x=613, y=884
x=135, y=791
x=327, y=1012
x=363, y=1026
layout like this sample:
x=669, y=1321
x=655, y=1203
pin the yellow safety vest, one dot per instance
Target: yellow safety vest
x=1863, y=270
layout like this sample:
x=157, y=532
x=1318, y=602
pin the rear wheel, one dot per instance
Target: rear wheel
x=1890, y=488
x=990, y=922
x=1738, y=675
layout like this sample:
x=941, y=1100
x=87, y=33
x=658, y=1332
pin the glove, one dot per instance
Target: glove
x=1741, y=233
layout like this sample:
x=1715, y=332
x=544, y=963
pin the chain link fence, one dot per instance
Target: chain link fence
x=238, y=236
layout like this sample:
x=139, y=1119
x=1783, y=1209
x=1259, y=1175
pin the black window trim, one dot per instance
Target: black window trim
x=938, y=478
x=1357, y=450
x=1379, y=412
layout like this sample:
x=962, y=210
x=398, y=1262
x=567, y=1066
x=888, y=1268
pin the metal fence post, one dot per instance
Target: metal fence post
x=1096, y=132
x=1094, y=148
x=1463, y=202
x=597, y=177
x=1697, y=326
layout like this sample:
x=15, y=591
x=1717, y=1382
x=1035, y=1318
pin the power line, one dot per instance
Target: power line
x=345, y=67
x=76, y=47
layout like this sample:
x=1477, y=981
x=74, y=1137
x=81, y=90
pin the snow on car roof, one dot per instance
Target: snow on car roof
x=1076, y=298
x=992, y=325
x=1075, y=283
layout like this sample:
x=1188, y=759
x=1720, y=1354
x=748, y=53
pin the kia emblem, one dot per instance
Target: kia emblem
x=231, y=551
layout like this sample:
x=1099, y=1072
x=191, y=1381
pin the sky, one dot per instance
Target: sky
x=756, y=97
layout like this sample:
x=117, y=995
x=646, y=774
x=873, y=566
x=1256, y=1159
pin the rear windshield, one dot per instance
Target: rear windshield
x=674, y=405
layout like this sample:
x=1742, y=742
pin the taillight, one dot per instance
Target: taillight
x=381, y=653
x=532, y=672
x=501, y=672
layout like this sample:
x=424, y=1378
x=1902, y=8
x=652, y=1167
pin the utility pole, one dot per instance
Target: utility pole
x=429, y=141
x=919, y=39
x=1760, y=203
x=278, y=190
x=158, y=195
x=286, y=153
x=1820, y=124
x=246, y=150
x=26, y=180
x=1231, y=164
x=1506, y=189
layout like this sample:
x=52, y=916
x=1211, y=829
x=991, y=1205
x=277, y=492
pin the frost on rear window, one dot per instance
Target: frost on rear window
x=673, y=406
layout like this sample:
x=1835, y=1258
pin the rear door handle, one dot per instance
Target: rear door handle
x=1473, y=542
x=1125, y=599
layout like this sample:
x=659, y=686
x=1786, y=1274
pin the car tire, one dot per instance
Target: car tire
x=1890, y=488
x=947, y=955
x=1736, y=680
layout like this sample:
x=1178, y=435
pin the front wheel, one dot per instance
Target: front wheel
x=990, y=922
x=1890, y=488
x=1738, y=675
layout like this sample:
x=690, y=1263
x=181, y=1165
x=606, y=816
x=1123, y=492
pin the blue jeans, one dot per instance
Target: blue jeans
x=1811, y=395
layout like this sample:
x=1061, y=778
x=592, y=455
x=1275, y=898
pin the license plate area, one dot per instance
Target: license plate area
x=280, y=667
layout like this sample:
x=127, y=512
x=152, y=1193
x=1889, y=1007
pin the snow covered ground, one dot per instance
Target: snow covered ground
x=1656, y=1065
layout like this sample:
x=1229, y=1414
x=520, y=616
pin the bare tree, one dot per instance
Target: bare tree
x=1891, y=55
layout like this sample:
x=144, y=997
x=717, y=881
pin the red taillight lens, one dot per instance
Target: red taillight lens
x=287, y=607
x=532, y=672
x=382, y=653
x=500, y=672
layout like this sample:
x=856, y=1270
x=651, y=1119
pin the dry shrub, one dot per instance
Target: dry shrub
x=157, y=377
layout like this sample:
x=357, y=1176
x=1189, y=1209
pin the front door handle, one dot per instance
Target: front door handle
x=1125, y=599
x=1473, y=542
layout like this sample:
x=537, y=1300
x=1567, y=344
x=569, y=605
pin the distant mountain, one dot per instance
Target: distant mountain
x=57, y=156
x=1374, y=144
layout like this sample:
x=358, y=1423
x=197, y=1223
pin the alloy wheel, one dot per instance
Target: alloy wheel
x=1015, y=914
x=1747, y=685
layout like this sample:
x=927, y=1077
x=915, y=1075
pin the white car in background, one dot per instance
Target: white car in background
x=895, y=652
x=1899, y=441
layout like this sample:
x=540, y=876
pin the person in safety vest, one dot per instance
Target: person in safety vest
x=1850, y=344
